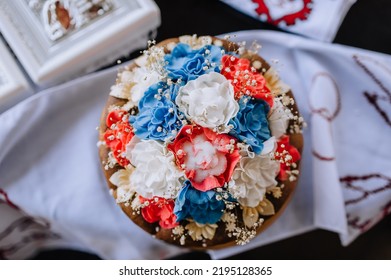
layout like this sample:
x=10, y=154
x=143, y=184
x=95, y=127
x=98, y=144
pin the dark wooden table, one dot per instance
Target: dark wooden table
x=367, y=26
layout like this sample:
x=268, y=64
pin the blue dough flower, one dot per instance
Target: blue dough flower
x=250, y=125
x=188, y=64
x=158, y=117
x=202, y=207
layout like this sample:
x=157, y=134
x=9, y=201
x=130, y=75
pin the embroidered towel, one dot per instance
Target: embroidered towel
x=318, y=19
x=52, y=191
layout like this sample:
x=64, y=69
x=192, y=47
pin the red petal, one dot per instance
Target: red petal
x=149, y=214
x=114, y=116
x=209, y=183
x=232, y=160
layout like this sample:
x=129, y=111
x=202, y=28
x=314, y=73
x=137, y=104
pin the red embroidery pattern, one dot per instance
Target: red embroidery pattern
x=319, y=156
x=356, y=224
x=367, y=224
x=294, y=10
x=4, y=199
x=349, y=183
x=329, y=114
x=375, y=99
x=37, y=232
x=360, y=61
x=22, y=231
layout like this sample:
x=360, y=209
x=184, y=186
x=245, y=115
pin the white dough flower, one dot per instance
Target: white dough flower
x=278, y=119
x=156, y=173
x=251, y=214
x=121, y=179
x=274, y=83
x=201, y=231
x=131, y=84
x=252, y=177
x=208, y=100
x=196, y=42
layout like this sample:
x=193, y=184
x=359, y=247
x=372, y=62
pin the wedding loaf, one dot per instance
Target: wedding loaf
x=200, y=142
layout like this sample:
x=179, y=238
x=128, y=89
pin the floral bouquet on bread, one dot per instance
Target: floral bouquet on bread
x=200, y=142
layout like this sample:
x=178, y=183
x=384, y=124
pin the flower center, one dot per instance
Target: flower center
x=204, y=158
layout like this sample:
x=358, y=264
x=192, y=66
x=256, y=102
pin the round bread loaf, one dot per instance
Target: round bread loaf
x=200, y=142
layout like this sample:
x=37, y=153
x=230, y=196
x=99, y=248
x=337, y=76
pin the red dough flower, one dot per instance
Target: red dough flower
x=160, y=210
x=118, y=135
x=287, y=155
x=245, y=79
x=207, y=158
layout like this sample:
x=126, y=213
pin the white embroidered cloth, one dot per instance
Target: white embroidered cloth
x=49, y=164
x=318, y=19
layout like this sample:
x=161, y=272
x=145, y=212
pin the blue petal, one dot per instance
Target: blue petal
x=202, y=207
x=250, y=124
x=188, y=64
x=154, y=113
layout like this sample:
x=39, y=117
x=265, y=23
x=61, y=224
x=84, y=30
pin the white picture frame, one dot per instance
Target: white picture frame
x=14, y=86
x=116, y=33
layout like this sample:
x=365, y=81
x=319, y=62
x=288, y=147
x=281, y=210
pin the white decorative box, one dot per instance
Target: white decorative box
x=56, y=40
x=13, y=84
